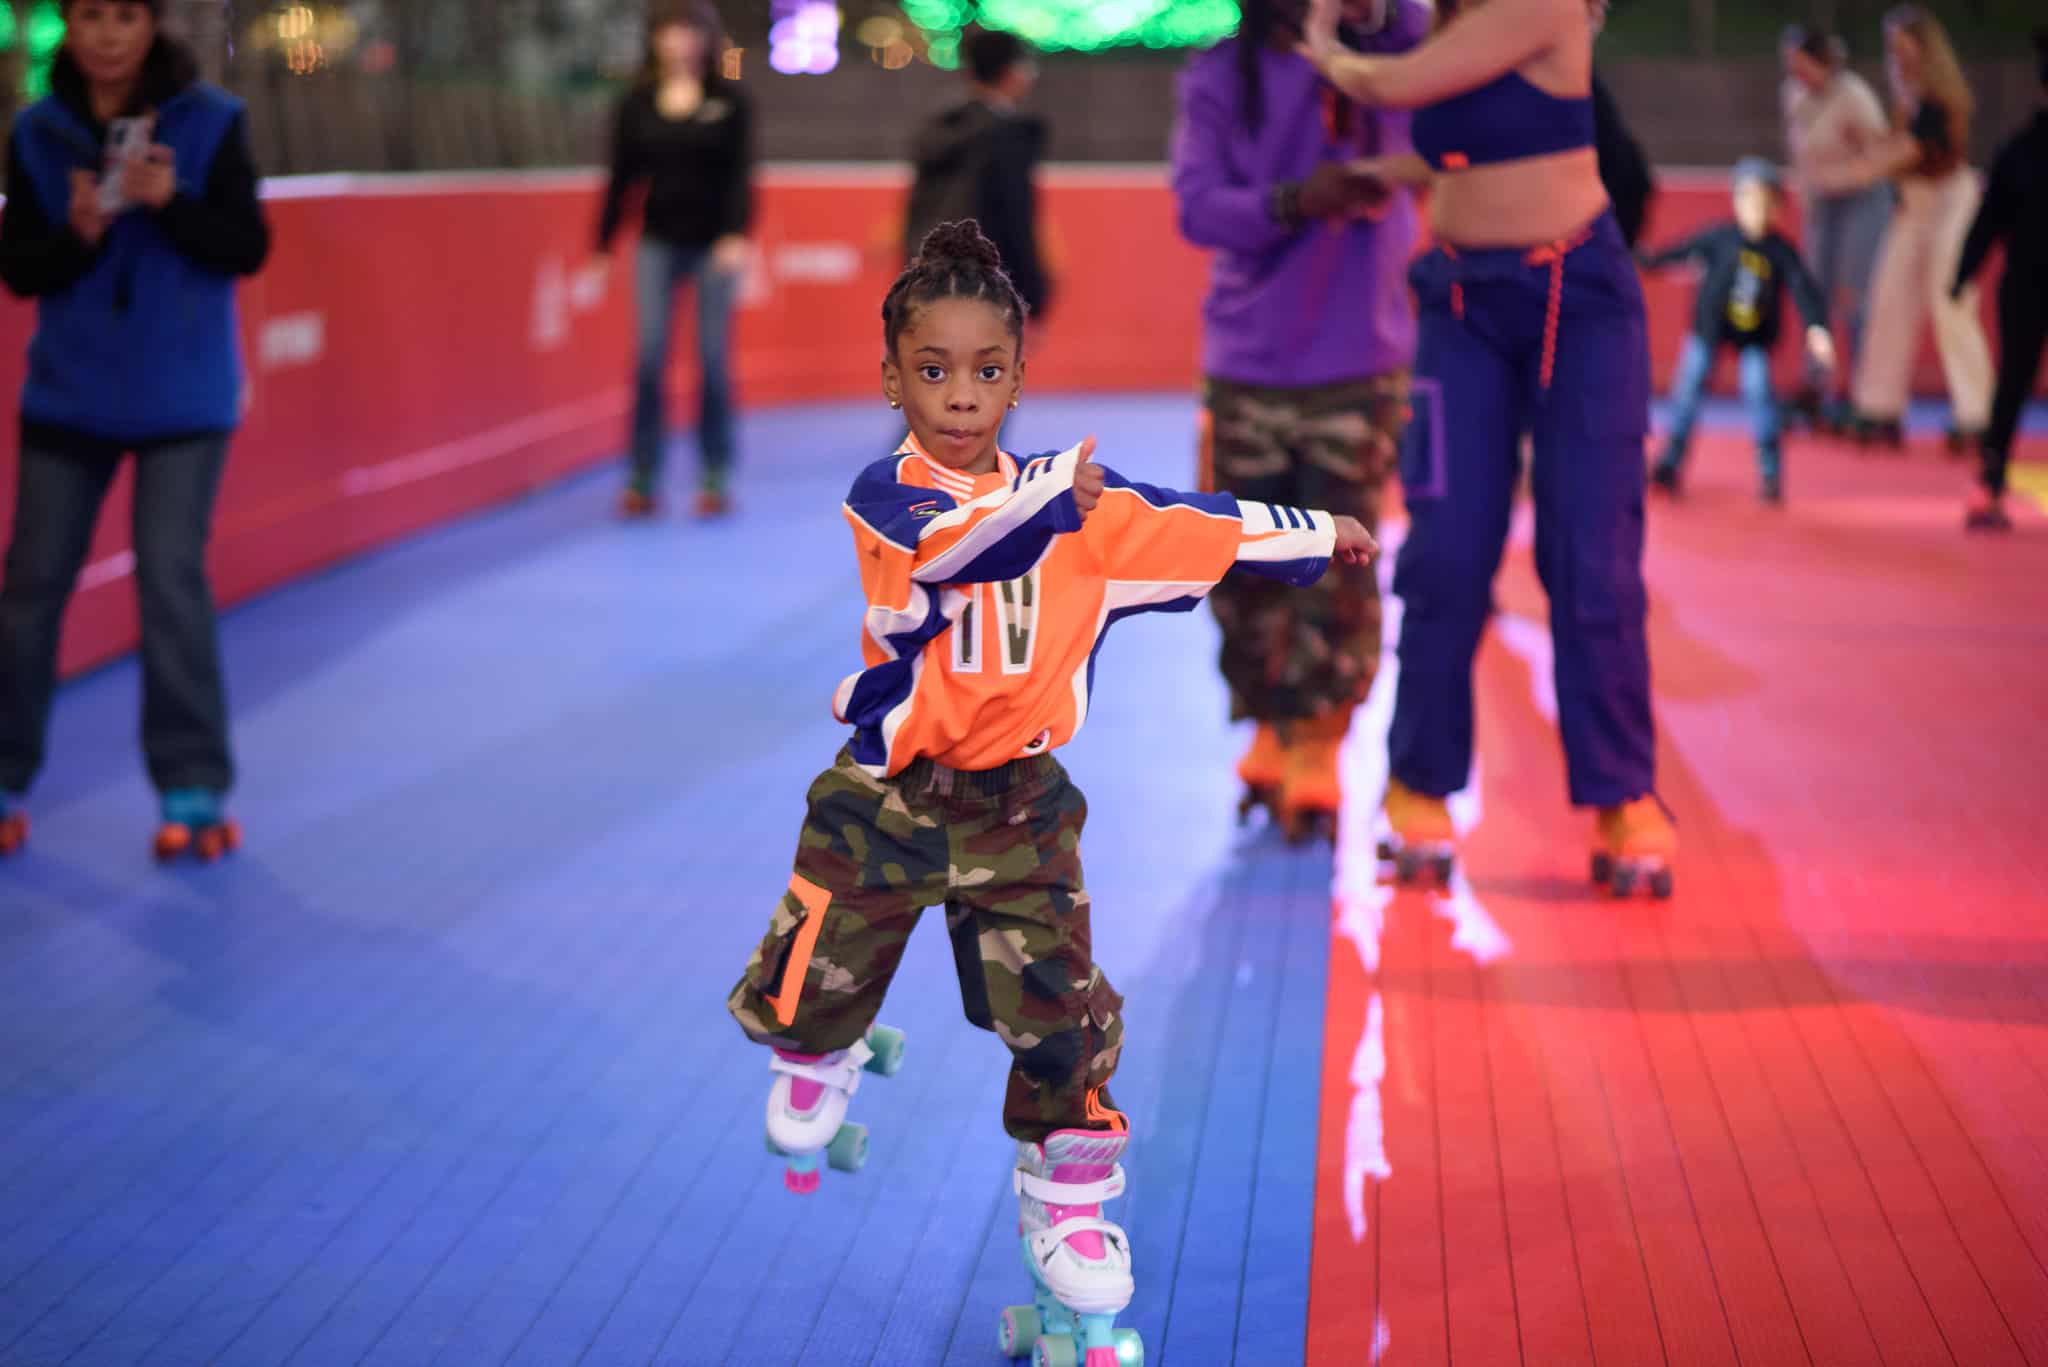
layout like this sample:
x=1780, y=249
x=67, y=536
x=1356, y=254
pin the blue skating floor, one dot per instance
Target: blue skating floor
x=438, y=1070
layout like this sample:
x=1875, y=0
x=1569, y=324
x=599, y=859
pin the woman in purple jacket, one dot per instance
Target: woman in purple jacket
x=1532, y=322
x=1307, y=337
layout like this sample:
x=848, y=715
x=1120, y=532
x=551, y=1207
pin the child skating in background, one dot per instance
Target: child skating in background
x=989, y=583
x=1747, y=265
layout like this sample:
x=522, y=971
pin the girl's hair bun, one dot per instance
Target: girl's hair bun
x=960, y=243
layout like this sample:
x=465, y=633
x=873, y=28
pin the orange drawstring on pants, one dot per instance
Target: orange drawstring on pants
x=1553, y=255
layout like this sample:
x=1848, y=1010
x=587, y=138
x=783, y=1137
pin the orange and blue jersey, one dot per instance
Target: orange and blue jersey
x=988, y=598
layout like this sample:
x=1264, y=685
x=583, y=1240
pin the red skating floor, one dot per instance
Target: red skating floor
x=1800, y=1112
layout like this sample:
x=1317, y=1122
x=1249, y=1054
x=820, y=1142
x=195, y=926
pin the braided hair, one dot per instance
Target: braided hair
x=953, y=262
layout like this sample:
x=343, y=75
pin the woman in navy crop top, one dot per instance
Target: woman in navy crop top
x=1531, y=321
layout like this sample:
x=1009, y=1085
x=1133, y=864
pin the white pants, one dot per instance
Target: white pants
x=1915, y=267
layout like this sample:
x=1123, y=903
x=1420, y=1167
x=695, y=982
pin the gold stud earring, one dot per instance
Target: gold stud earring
x=895, y=403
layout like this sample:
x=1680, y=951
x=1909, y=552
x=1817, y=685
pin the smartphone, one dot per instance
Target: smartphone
x=127, y=140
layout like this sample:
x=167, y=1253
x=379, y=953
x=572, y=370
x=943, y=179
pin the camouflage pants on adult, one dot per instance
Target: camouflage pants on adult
x=1292, y=655
x=1001, y=851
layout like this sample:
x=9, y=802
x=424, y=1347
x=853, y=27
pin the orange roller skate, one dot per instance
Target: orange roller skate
x=1262, y=770
x=1420, y=838
x=712, y=503
x=1633, y=848
x=193, y=824
x=1312, y=792
x=13, y=826
x=638, y=504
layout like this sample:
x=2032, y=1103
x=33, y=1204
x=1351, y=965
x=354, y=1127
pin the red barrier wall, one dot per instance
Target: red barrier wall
x=420, y=347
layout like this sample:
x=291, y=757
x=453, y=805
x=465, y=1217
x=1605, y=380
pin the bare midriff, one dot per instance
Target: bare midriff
x=1524, y=203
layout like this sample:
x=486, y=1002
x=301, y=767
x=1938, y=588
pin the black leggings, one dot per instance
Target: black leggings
x=2022, y=329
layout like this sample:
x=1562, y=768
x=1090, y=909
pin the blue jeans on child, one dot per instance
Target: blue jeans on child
x=660, y=269
x=1695, y=364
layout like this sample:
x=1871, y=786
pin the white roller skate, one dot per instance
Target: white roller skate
x=1080, y=1263
x=807, y=1105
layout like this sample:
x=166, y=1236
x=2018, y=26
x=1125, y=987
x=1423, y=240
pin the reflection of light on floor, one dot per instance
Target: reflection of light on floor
x=1362, y=901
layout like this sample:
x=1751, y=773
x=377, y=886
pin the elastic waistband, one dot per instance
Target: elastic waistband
x=928, y=776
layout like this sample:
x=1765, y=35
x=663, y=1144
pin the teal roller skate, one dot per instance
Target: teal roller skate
x=1080, y=1263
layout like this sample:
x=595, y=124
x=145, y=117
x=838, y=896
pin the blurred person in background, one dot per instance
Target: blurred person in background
x=2015, y=212
x=1532, y=322
x=1832, y=122
x=1624, y=169
x=1747, y=264
x=131, y=210
x=1928, y=152
x=1308, y=333
x=975, y=161
x=686, y=133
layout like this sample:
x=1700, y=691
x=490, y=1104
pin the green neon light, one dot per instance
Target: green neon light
x=1075, y=25
x=44, y=32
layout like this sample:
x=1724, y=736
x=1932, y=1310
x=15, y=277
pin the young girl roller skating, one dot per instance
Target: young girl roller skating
x=989, y=583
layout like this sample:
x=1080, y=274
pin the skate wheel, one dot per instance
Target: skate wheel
x=887, y=1042
x=215, y=841
x=773, y=1147
x=1603, y=867
x=1440, y=865
x=848, y=1149
x=1623, y=882
x=1661, y=885
x=1017, y=1330
x=172, y=842
x=1055, y=1350
x=13, y=834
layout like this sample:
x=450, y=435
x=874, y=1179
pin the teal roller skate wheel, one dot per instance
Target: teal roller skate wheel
x=849, y=1148
x=1017, y=1330
x=1056, y=1350
x=887, y=1043
x=773, y=1147
x=1130, y=1349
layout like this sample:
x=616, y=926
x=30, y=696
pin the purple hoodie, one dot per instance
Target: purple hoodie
x=1292, y=308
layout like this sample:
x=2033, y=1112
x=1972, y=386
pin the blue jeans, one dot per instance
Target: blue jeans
x=184, y=704
x=1695, y=364
x=660, y=269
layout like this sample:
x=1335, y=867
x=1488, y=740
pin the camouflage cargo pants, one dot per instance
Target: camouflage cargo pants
x=1001, y=851
x=1294, y=654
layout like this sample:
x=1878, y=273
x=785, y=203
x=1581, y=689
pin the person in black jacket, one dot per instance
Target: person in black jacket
x=686, y=133
x=2015, y=212
x=1747, y=264
x=1624, y=170
x=976, y=160
x=131, y=247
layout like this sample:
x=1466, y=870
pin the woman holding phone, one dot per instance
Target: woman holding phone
x=132, y=259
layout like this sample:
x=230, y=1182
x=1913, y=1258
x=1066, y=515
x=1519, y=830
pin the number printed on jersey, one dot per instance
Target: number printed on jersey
x=1006, y=612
